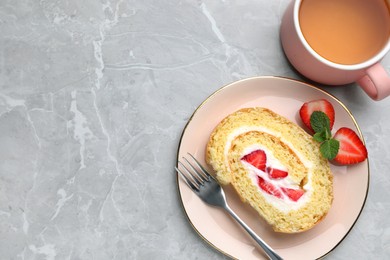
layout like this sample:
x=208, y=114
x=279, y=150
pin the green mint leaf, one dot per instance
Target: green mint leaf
x=319, y=121
x=328, y=134
x=330, y=148
x=320, y=136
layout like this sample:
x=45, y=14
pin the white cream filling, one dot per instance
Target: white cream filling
x=245, y=129
x=284, y=204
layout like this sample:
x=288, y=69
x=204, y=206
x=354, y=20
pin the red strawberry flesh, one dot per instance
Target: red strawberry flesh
x=269, y=188
x=293, y=194
x=352, y=150
x=317, y=105
x=274, y=173
x=257, y=158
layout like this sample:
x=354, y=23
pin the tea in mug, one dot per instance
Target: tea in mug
x=345, y=31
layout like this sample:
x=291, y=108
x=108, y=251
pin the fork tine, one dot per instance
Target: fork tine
x=194, y=176
x=205, y=173
x=187, y=180
x=199, y=173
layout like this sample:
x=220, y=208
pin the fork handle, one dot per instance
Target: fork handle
x=267, y=249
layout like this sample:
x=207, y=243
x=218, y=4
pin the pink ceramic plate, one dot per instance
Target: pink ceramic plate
x=284, y=96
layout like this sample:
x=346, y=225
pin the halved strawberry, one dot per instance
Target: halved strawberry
x=352, y=149
x=316, y=105
x=293, y=194
x=276, y=173
x=257, y=158
x=269, y=188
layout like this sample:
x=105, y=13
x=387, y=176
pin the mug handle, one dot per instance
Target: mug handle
x=376, y=82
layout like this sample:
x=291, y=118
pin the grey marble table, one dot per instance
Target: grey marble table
x=94, y=96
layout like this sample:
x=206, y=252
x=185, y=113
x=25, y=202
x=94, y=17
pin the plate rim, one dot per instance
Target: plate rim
x=277, y=78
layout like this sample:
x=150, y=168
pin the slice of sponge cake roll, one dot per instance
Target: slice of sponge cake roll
x=274, y=165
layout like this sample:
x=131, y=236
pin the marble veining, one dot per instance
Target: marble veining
x=94, y=96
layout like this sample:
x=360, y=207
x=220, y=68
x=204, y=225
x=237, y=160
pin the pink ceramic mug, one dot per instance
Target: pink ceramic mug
x=370, y=74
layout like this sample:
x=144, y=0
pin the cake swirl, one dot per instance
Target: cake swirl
x=274, y=165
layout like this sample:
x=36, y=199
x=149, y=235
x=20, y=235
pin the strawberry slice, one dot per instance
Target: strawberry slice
x=269, y=188
x=276, y=173
x=316, y=105
x=293, y=194
x=352, y=149
x=257, y=158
